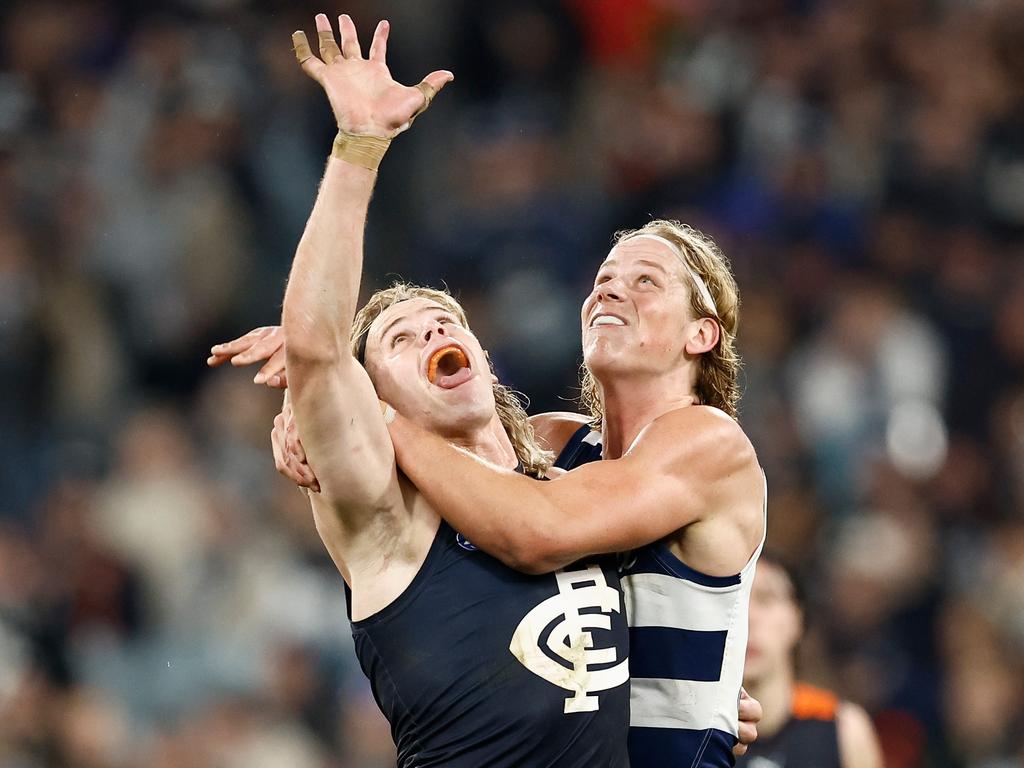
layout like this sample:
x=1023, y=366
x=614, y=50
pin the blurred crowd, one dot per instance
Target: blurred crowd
x=164, y=598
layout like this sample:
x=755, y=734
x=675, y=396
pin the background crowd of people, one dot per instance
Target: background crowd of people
x=164, y=598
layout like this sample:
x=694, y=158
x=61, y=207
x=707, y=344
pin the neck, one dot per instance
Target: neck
x=775, y=692
x=490, y=443
x=630, y=405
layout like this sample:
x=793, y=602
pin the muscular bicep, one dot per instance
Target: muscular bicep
x=615, y=506
x=683, y=469
x=346, y=442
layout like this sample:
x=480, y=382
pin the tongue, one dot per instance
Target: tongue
x=453, y=380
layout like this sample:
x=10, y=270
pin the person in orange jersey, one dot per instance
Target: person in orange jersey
x=803, y=726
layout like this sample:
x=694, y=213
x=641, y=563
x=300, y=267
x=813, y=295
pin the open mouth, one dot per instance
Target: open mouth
x=448, y=367
x=601, y=320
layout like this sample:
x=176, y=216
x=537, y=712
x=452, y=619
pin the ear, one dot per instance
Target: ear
x=704, y=336
x=490, y=366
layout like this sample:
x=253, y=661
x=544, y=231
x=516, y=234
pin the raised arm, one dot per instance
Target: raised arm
x=333, y=400
x=684, y=464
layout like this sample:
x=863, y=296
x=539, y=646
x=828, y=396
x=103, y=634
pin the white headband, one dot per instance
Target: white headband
x=702, y=288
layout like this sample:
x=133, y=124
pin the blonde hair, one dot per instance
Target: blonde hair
x=718, y=371
x=535, y=460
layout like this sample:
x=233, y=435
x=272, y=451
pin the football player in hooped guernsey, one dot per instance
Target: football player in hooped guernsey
x=677, y=470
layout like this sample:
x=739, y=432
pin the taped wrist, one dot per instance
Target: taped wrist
x=364, y=151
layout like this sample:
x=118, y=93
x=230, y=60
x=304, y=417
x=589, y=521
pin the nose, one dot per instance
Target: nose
x=609, y=291
x=431, y=328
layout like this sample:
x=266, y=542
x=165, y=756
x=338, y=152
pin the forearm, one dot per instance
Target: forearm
x=323, y=286
x=501, y=511
x=333, y=401
x=657, y=488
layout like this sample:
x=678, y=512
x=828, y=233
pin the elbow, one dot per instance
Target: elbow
x=531, y=566
x=534, y=566
x=535, y=552
x=308, y=341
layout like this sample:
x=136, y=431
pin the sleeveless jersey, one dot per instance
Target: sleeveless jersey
x=688, y=639
x=809, y=739
x=476, y=664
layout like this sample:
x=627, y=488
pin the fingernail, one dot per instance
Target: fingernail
x=258, y=378
x=216, y=348
x=275, y=381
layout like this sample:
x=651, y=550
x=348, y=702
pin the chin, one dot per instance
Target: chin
x=605, y=362
x=464, y=408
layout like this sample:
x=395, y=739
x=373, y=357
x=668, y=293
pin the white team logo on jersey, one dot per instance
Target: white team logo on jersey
x=570, y=639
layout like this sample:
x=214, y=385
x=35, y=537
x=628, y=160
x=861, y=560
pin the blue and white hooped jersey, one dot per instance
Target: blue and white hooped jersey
x=688, y=639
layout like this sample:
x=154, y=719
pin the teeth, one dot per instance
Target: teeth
x=606, y=320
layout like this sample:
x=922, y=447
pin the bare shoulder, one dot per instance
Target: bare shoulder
x=700, y=433
x=707, y=459
x=858, y=741
x=553, y=429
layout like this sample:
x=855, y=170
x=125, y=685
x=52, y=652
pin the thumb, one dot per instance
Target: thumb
x=430, y=86
x=438, y=80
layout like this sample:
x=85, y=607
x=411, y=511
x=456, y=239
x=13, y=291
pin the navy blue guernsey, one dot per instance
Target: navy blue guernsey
x=476, y=664
x=688, y=637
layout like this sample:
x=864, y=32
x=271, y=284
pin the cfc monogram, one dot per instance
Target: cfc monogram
x=570, y=639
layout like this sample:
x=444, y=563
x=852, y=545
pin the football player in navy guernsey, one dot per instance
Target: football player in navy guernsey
x=473, y=663
x=394, y=553
x=803, y=726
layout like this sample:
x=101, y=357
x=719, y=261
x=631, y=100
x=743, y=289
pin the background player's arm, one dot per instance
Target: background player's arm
x=333, y=400
x=681, y=465
x=858, y=742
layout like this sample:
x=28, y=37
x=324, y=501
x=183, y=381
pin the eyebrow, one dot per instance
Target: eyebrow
x=439, y=309
x=653, y=264
x=391, y=325
x=645, y=262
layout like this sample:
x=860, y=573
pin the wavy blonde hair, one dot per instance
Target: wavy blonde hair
x=718, y=372
x=535, y=460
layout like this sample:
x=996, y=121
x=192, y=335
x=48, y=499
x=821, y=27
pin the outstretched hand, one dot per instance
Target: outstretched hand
x=265, y=343
x=365, y=99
